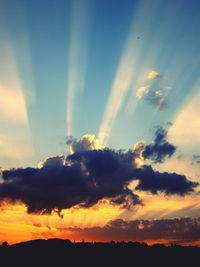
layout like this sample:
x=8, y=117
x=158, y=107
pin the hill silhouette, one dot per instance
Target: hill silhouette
x=59, y=252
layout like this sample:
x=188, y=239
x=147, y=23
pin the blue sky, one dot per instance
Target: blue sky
x=116, y=69
x=90, y=46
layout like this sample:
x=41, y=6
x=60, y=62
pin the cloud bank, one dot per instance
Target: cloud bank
x=182, y=231
x=90, y=175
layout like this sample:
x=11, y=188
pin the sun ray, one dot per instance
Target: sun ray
x=127, y=70
x=15, y=136
x=169, y=62
x=77, y=57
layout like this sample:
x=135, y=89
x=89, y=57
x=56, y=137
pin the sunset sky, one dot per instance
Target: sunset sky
x=100, y=120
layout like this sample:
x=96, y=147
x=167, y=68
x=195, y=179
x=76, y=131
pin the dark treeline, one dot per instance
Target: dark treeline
x=58, y=252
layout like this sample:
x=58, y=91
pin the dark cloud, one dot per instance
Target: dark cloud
x=182, y=230
x=86, y=177
x=160, y=149
x=169, y=183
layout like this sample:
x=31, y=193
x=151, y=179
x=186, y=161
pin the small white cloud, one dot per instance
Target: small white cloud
x=86, y=142
x=142, y=91
x=156, y=97
x=52, y=162
x=152, y=75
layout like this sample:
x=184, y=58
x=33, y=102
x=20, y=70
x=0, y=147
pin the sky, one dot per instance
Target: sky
x=100, y=120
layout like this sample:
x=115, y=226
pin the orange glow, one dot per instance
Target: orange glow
x=16, y=225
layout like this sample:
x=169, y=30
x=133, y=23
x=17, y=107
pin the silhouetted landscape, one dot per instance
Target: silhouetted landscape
x=57, y=251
